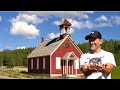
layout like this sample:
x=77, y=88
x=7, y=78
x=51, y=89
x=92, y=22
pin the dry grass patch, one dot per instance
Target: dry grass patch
x=21, y=72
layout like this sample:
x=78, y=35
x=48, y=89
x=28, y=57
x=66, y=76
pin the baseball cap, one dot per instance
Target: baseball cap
x=94, y=34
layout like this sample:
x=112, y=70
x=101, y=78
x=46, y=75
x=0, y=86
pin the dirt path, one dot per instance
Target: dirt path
x=5, y=77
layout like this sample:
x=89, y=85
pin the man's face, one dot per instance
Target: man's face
x=95, y=43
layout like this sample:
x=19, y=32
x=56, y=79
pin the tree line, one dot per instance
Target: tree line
x=11, y=58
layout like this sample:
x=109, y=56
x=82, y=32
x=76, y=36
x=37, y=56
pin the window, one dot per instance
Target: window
x=43, y=63
x=76, y=64
x=58, y=62
x=31, y=63
x=37, y=63
x=67, y=45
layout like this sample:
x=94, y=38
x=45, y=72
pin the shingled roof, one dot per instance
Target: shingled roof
x=66, y=22
x=45, y=48
x=48, y=47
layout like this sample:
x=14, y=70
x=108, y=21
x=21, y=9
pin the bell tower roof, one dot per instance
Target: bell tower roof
x=66, y=22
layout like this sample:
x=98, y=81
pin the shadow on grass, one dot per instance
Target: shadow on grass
x=23, y=72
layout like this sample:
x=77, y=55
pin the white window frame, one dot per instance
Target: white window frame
x=37, y=63
x=31, y=63
x=58, y=62
x=44, y=63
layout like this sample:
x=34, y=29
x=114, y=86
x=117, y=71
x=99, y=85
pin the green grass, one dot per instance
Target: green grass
x=116, y=73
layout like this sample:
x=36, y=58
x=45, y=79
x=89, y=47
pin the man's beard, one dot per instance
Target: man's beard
x=94, y=48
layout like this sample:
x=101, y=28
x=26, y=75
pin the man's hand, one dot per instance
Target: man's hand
x=93, y=67
x=101, y=67
x=107, y=68
x=85, y=69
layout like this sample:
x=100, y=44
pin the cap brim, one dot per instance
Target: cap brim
x=89, y=36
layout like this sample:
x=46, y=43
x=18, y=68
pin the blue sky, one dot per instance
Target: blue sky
x=20, y=29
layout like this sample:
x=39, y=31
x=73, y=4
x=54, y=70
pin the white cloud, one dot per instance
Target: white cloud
x=23, y=47
x=77, y=24
x=101, y=18
x=62, y=14
x=81, y=24
x=52, y=35
x=115, y=20
x=57, y=22
x=22, y=28
x=88, y=24
x=72, y=30
x=27, y=18
x=103, y=22
x=103, y=25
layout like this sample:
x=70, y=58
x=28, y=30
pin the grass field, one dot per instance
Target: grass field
x=18, y=73
x=116, y=73
x=22, y=73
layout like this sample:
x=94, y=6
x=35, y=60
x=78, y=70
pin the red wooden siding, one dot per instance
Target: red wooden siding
x=71, y=56
x=60, y=52
x=40, y=70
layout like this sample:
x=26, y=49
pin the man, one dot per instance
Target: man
x=96, y=63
